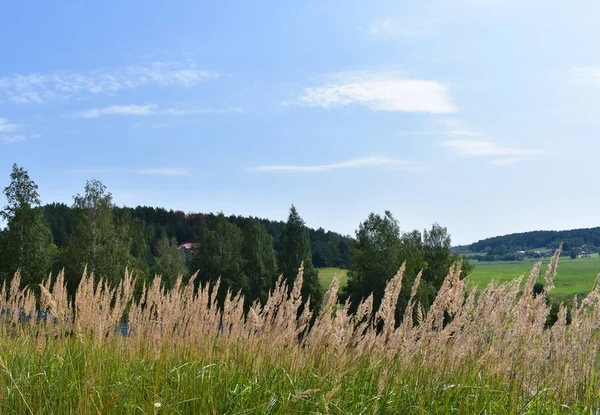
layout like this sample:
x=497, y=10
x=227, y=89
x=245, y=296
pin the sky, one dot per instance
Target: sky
x=479, y=115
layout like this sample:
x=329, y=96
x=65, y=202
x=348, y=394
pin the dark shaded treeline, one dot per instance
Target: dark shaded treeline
x=329, y=249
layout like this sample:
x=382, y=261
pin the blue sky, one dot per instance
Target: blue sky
x=480, y=115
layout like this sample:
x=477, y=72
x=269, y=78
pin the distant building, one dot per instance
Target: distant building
x=189, y=249
x=190, y=245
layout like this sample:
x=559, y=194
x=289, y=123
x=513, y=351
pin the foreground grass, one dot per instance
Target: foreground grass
x=576, y=276
x=485, y=352
x=74, y=377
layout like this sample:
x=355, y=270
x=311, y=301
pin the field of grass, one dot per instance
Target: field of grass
x=326, y=276
x=182, y=354
x=575, y=276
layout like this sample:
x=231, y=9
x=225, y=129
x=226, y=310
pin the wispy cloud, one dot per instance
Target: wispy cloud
x=151, y=109
x=589, y=75
x=200, y=111
x=380, y=92
x=173, y=171
x=37, y=88
x=506, y=161
x=463, y=133
x=349, y=164
x=451, y=128
x=6, y=125
x=394, y=28
x=18, y=138
x=477, y=148
x=139, y=110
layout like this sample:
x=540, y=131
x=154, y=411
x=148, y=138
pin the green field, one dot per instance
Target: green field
x=326, y=276
x=575, y=276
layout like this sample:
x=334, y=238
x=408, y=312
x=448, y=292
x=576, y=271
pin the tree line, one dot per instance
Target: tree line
x=329, y=249
x=247, y=254
x=517, y=246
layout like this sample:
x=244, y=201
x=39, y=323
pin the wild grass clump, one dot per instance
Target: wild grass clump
x=487, y=351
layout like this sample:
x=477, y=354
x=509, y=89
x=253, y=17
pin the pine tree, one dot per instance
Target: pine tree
x=260, y=265
x=219, y=256
x=295, y=250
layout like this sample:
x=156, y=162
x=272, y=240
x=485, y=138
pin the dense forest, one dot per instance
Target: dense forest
x=517, y=246
x=248, y=255
x=329, y=249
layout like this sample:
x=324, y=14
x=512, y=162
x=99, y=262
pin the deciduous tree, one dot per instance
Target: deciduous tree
x=97, y=242
x=26, y=243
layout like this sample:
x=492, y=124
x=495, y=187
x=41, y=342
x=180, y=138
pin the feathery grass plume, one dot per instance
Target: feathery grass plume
x=330, y=395
x=407, y=320
x=3, y=303
x=387, y=309
x=303, y=321
x=495, y=337
x=361, y=320
x=405, y=334
x=13, y=302
x=343, y=329
x=322, y=329
x=47, y=302
x=526, y=300
x=551, y=271
x=285, y=324
x=233, y=316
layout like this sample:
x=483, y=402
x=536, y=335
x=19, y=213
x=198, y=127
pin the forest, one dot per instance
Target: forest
x=248, y=255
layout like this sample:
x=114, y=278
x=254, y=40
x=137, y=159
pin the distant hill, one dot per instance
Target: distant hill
x=518, y=245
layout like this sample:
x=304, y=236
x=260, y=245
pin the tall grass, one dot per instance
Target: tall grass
x=473, y=351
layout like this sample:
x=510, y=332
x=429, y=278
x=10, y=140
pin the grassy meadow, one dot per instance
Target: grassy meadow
x=473, y=351
x=575, y=276
x=326, y=276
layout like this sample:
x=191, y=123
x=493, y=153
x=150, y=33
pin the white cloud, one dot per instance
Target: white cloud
x=506, y=162
x=356, y=163
x=172, y=171
x=587, y=75
x=476, y=148
x=38, y=88
x=20, y=137
x=139, y=110
x=464, y=133
x=199, y=111
x=394, y=28
x=151, y=109
x=6, y=125
x=380, y=92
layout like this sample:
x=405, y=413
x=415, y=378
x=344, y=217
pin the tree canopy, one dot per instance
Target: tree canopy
x=380, y=250
x=26, y=243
